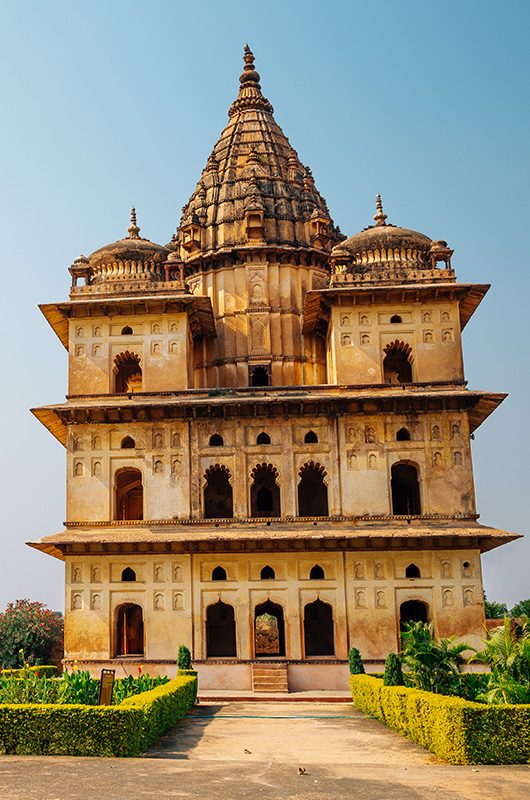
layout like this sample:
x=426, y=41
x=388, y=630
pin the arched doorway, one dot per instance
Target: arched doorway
x=312, y=491
x=413, y=611
x=318, y=629
x=405, y=489
x=269, y=630
x=397, y=363
x=218, y=497
x=129, y=630
x=220, y=631
x=264, y=492
x=129, y=494
x=127, y=373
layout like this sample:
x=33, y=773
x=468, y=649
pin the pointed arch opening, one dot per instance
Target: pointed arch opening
x=216, y=440
x=128, y=574
x=126, y=331
x=397, y=363
x=267, y=574
x=311, y=438
x=263, y=438
x=403, y=435
x=129, y=630
x=405, y=489
x=264, y=492
x=312, y=491
x=318, y=629
x=129, y=494
x=260, y=376
x=395, y=318
x=127, y=443
x=220, y=631
x=127, y=373
x=413, y=611
x=317, y=573
x=218, y=495
x=219, y=574
x=269, y=630
x=412, y=571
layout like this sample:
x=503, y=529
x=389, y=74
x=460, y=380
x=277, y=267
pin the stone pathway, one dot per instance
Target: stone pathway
x=244, y=751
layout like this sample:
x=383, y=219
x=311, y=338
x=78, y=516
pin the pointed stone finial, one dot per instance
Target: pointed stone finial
x=133, y=228
x=380, y=217
x=249, y=74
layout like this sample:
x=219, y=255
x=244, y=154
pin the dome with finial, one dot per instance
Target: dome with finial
x=253, y=167
x=132, y=258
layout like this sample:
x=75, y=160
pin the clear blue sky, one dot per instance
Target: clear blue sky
x=106, y=104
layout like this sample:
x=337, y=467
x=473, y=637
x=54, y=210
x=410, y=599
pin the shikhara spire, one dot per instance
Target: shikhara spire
x=133, y=228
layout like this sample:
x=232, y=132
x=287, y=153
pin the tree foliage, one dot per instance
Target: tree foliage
x=507, y=652
x=355, y=661
x=521, y=609
x=393, y=675
x=184, y=657
x=493, y=610
x=434, y=666
x=29, y=633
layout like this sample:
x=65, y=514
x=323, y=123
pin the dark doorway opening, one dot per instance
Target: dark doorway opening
x=269, y=630
x=219, y=574
x=412, y=571
x=403, y=435
x=405, y=489
x=267, y=574
x=317, y=573
x=318, y=629
x=413, y=611
x=397, y=366
x=130, y=630
x=220, y=631
x=264, y=492
x=218, y=498
x=312, y=492
x=128, y=574
x=127, y=373
x=129, y=494
x=260, y=376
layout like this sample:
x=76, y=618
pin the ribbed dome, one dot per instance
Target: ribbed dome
x=253, y=168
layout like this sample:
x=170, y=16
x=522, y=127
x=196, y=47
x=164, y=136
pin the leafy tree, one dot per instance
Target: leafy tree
x=393, y=673
x=355, y=662
x=29, y=633
x=494, y=610
x=184, y=657
x=521, y=609
x=507, y=652
x=434, y=665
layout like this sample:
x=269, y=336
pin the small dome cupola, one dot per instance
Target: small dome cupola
x=388, y=253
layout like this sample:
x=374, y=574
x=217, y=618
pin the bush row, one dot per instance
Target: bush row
x=79, y=730
x=47, y=671
x=457, y=730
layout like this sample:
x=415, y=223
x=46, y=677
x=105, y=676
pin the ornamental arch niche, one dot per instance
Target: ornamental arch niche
x=129, y=639
x=127, y=373
x=269, y=630
x=405, y=489
x=220, y=631
x=397, y=363
x=318, y=629
x=218, y=495
x=312, y=491
x=129, y=494
x=264, y=491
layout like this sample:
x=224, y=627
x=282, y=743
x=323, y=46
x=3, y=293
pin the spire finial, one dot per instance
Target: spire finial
x=380, y=217
x=249, y=74
x=133, y=228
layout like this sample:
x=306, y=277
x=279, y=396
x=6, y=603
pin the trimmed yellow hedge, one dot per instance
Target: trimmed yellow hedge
x=124, y=730
x=457, y=730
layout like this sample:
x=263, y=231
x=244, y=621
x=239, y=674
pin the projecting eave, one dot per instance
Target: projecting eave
x=319, y=301
x=53, y=421
x=198, y=308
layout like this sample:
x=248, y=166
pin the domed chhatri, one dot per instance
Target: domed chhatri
x=132, y=247
x=385, y=252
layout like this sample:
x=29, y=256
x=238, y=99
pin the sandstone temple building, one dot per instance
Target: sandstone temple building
x=267, y=432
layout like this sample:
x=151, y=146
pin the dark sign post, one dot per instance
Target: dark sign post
x=106, y=684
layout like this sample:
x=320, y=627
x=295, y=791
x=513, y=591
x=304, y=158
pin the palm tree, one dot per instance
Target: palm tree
x=507, y=653
x=434, y=666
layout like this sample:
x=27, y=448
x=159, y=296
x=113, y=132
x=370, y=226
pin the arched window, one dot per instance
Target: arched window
x=129, y=630
x=259, y=376
x=218, y=497
x=412, y=571
x=405, y=489
x=127, y=373
x=127, y=443
x=397, y=363
x=311, y=438
x=129, y=494
x=264, y=492
x=128, y=574
x=312, y=491
x=395, y=318
x=413, y=611
x=263, y=438
x=267, y=574
x=126, y=331
x=219, y=574
x=318, y=629
x=216, y=440
x=269, y=630
x=220, y=631
x=317, y=573
x=403, y=435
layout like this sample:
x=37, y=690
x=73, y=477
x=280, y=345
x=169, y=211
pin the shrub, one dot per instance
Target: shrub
x=455, y=729
x=81, y=730
x=29, y=632
x=355, y=661
x=184, y=658
x=507, y=653
x=41, y=671
x=393, y=675
x=434, y=666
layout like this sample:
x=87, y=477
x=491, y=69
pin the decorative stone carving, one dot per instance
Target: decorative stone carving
x=469, y=596
x=178, y=601
x=95, y=601
x=447, y=571
x=77, y=601
x=380, y=598
x=358, y=570
x=178, y=573
x=159, y=601
x=379, y=571
x=448, y=597
x=360, y=598
x=369, y=434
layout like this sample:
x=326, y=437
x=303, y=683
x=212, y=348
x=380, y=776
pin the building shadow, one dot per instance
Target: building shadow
x=184, y=737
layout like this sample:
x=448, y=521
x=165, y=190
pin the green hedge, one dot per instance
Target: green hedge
x=47, y=671
x=76, y=730
x=457, y=730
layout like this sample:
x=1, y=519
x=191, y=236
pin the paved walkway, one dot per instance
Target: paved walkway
x=243, y=751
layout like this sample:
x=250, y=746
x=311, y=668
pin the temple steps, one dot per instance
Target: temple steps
x=270, y=678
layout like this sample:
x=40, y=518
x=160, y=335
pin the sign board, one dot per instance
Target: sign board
x=106, y=685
